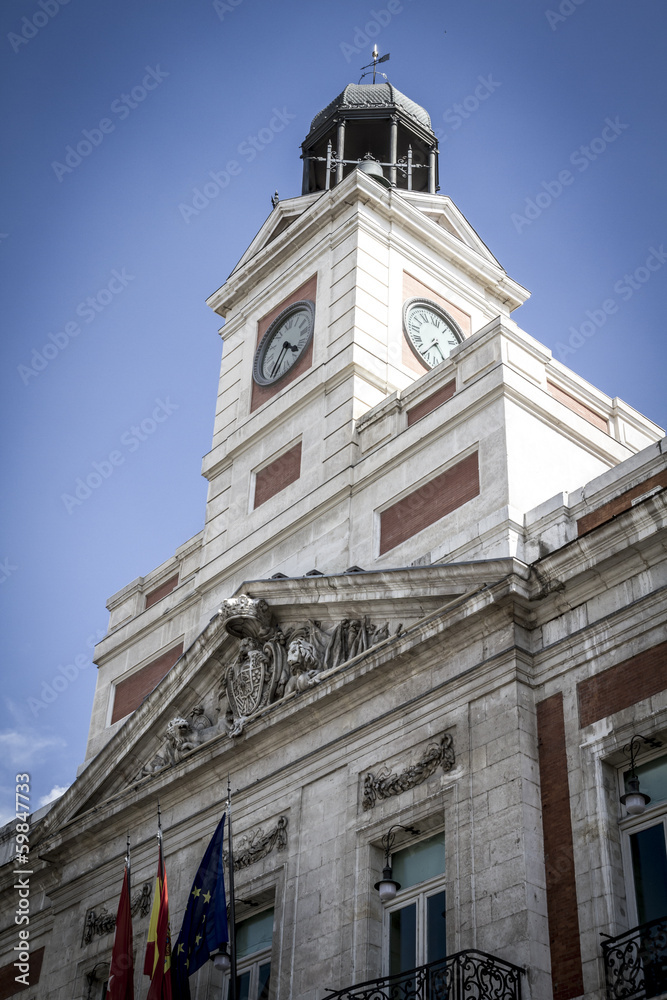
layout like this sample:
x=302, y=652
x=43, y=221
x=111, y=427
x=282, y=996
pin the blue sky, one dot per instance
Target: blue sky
x=106, y=274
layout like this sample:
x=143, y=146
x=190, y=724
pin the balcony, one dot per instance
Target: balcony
x=467, y=975
x=636, y=962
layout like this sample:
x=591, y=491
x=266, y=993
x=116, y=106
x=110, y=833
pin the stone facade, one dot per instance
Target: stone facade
x=480, y=675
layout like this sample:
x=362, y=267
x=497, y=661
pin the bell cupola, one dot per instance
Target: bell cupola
x=376, y=128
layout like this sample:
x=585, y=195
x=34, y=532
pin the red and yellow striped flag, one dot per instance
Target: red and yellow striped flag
x=158, y=947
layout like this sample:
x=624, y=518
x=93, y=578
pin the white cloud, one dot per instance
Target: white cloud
x=22, y=748
x=55, y=793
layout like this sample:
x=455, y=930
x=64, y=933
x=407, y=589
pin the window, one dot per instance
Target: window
x=415, y=921
x=645, y=845
x=253, y=956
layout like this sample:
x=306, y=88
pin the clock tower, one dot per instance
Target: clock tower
x=377, y=404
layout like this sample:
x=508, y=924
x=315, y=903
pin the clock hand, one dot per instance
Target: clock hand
x=280, y=358
x=436, y=345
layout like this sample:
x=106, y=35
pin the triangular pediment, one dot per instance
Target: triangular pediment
x=449, y=217
x=283, y=215
x=269, y=651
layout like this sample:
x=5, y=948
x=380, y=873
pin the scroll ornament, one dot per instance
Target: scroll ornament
x=255, y=846
x=97, y=923
x=385, y=784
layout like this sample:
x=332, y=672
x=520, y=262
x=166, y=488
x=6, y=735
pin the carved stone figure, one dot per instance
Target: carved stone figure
x=180, y=737
x=271, y=663
x=303, y=664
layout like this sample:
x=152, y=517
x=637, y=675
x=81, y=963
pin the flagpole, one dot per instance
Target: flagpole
x=232, y=914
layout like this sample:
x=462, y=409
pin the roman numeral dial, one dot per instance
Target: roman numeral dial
x=431, y=332
x=284, y=343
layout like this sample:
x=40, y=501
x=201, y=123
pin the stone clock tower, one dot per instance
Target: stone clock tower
x=368, y=410
x=424, y=620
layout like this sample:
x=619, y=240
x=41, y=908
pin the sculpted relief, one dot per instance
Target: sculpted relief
x=180, y=736
x=385, y=783
x=270, y=664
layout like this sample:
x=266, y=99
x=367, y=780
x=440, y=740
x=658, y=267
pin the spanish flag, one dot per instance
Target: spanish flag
x=121, y=973
x=158, y=947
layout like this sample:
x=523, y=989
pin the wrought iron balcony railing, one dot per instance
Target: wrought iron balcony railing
x=636, y=962
x=467, y=975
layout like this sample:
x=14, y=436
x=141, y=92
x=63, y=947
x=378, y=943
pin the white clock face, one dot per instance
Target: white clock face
x=284, y=342
x=431, y=332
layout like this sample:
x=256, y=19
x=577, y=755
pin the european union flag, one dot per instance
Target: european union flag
x=205, y=922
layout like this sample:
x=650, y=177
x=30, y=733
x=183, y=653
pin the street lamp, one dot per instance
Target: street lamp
x=388, y=886
x=635, y=801
x=220, y=958
x=91, y=976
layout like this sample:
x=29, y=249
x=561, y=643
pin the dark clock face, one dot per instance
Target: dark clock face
x=284, y=342
x=432, y=333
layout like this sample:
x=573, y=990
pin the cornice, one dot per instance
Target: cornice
x=625, y=530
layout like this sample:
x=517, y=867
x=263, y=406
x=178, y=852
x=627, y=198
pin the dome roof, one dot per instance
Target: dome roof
x=372, y=95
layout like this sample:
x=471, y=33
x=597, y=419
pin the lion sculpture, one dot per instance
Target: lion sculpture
x=303, y=665
x=180, y=736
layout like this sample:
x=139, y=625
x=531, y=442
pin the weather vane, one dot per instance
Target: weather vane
x=377, y=58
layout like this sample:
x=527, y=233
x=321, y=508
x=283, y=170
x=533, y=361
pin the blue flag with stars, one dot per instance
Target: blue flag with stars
x=204, y=927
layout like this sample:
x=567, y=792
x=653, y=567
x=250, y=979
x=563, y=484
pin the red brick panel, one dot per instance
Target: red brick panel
x=578, y=407
x=278, y=474
x=131, y=692
x=8, y=973
x=429, y=503
x=566, y=971
x=260, y=393
x=431, y=402
x=153, y=596
x=619, y=504
x=628, y=682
